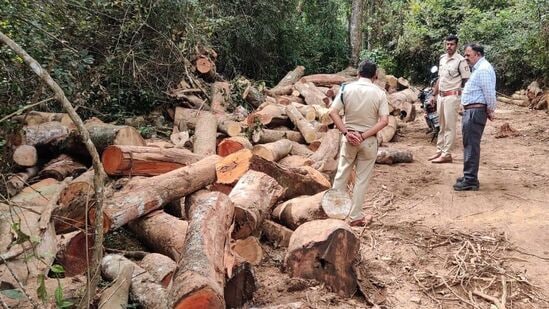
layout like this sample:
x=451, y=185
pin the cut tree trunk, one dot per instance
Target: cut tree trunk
x=220, y=97
x=240, y=286
x=392, y=156
x=248, y=249
x=116, y=295
x=25, y=156
x=268, y=136
x=252, y=95
x=291, y=77
x=144, y=290
x=305, y=127
x=139, y=197
x=42, y=134
x=253, y=196
x=312, y=95
x=161, y=232
x=74, y=202
x=62, y=167
x=200, y=277
x=280, y=91
x=271, y=115
x=18, y=181
x=325, y=250
x=326, y=80
x=273, y=151
x=205, y=66
x=205, y=134
x=325, y=157
x=299, y=149
x=233, y=144
x=308, y=111
x=35, y=117
x=295, y=161
x=386, y=134
x=299, y=210
x=296, y=181
x=72, y=252
x=160, y=267
x=188, y=117
x=145, y=161
x=276, y=233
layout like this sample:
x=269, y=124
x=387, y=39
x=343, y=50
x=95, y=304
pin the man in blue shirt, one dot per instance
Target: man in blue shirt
x=479, y=103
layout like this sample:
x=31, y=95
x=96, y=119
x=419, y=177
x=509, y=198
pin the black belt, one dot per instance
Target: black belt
x=474, y=106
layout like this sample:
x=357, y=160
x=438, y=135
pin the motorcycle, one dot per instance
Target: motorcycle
x=431, y=115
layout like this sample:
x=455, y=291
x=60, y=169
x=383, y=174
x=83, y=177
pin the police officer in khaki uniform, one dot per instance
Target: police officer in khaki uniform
x=453, y=72
x=366, y=111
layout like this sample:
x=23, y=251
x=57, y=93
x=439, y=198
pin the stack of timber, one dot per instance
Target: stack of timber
x=258, y=177
x=533, y=97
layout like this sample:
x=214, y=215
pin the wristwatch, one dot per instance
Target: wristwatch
x=345, y=133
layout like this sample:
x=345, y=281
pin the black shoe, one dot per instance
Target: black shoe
x=460, y=179
x=463, y=186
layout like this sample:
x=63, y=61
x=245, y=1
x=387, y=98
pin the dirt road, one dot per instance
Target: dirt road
x=432, y=247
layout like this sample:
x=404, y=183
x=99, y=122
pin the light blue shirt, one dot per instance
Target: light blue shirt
x=481, y=86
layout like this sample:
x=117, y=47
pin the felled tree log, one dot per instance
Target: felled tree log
x=326, y=154
x=189, y=117
x=144, y=289
x=252, y=95
x=268, y=136
x=349, y=72
x=116, y=295
x=62, y=167
x=233, y=144
x=295, y=161
x=403, y=104
x=270, y=115
x=18, y=181
x=140, y=197
x=299, y=210
x=276, y=233
x=296, y=181
x=74, y=201
x=386, y=134
x=291, y=77
x=145, y=161
x=220, y=97
x=312, y=95
x=253, y=196
x=205, y=134
x=72, y=252
x=205, y=66
x=326, y=80
x=161, y=232
x=25, y=155
x=200, y=277
x=392, y=156
x=35, y=117
x=299, y=149
x=279, y=91
x=305, y=127
x=248, y=249
x=325, y=250
x=240, y=286
x=273, y=151
x=42, y=134
x=308, y=111
x=160, y=267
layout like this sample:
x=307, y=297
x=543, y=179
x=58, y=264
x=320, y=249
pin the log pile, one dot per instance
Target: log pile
x=254, y=176
x=533, y=97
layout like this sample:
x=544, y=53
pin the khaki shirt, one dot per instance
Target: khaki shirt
x=363, y=103
x=451, y=71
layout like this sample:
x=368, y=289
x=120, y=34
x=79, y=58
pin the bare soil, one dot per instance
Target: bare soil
x=432, y=247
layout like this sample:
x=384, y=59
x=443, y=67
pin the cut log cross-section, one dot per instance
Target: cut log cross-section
x=273, y=151
x=25, y=155
x=325, y=250
x=145, y=161
x=139, y=197
x=296, y=181
x=233, y=144
x=305, y=127
x=253, y=196
x=74, y=201
x=162, y=232
x=72, y=253
x=199, y=280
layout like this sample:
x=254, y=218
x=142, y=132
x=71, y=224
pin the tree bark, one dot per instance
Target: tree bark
x=36, y=117
x=253, y=196
x=116, y=295
x=160, y=267
x=145, y=161
x=74, y=202
x=291, y=77
x=268, y=136
x=274, y=151
x=275, y=233
x=144, y=289
x=62, y=167
x=386, y=134
x=220, y=97
x=299, y=210
x=324, y=80
x=355, y=30
x=18, y=181
x=271, y=115
x=306, y=128
x=49, y=133
x=140, y=197
x=312, y=95
x=295, y=161
x=199, y=280
x=325, y=250
x=392, y=156
x=161, y=232
x=296, y=181
x=327, y=152
x=188, y=117
x=74, y=249
x=299, y=149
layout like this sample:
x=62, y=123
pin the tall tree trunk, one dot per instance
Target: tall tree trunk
x=355, y=30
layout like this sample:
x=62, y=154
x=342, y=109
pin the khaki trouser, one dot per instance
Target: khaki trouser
x=364, y=157
x=447, y=109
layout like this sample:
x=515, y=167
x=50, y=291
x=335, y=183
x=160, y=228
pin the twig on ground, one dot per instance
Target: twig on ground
x=24, y=108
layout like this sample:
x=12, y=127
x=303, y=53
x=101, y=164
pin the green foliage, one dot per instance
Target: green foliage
x=13, y=293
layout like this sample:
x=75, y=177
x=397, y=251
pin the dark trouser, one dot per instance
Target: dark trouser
x=473, y=123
